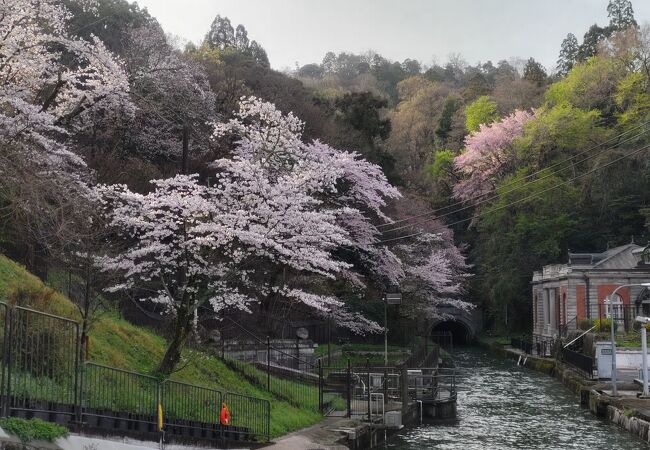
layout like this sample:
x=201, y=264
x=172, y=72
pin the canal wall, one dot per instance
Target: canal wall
x=629, y=413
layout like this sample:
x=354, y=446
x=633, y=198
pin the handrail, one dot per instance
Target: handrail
x=261, y=341
x=580, y=336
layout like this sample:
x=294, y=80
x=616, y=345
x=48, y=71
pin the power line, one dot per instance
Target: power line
x=521, y=200
x=526, y=177
x=495, y=196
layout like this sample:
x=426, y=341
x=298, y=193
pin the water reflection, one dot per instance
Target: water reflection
x=503, y=406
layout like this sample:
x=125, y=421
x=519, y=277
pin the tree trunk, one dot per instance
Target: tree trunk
x=178, y=341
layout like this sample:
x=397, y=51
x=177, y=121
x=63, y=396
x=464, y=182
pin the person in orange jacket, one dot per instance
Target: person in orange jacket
x=225, y=414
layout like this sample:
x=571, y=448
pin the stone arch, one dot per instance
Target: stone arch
x=461, y=329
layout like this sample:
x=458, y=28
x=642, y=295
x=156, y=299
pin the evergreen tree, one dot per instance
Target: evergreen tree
x=241, y=38
x=534, y=72
x=452, y=104
x=221, y=34
x=621, y=14
x=259, y=54
x=593, y=37
x=568, y=54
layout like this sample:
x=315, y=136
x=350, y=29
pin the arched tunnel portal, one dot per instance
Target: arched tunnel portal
x=460, y=332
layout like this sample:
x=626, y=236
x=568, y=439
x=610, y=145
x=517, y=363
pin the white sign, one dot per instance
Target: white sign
x=394, y=299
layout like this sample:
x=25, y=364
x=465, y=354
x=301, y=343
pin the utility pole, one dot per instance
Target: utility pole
x=612, y=318
x=389, y=299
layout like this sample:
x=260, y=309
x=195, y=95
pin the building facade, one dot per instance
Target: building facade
x=565, y=294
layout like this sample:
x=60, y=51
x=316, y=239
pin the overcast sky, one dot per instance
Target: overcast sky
x=302, y=31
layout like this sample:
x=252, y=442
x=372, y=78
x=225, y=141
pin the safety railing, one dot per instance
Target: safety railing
x=296, y=387
x=583, y=363
x=119, y=399
x=281, y=371
x=42, y=377
x=537, y=346
x=40, y=363
x=602, y=315
x=432, y=384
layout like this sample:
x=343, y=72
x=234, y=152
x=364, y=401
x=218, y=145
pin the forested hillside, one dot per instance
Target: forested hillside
x=524, y=163
x=195, y=181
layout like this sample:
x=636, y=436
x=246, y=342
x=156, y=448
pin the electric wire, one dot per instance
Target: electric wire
x=612, y=139
x=495, y=196
x=521, y=200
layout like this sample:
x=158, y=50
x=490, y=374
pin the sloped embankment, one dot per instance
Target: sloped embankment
x=118, y=343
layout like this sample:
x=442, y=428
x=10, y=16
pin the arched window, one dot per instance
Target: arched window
x=614, y=307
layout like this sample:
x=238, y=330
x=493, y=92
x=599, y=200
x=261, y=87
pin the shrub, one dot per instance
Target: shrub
x=604, y=324
x=32, y=429
x=585, y=324
x=636, y=326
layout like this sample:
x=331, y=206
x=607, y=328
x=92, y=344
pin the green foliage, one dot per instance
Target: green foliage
x=588, y=86
x=362, y=112
x=585, y=324
x=558, y=131
x=28, y=430
x=117, y=343
x=443, y=163
x=481, y=111
x=534, y=72
x=568, y=54
x=604, y=324
x=632, y=99
x=452, y=104
x=514, y=240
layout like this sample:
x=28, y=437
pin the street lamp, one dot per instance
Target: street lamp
x=644, y=321
x=611, y=319
x=389, y=299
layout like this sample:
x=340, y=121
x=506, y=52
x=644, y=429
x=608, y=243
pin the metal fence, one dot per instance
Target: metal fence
x=602, y=314
x=284, y=372
x=119, y=399
x=432, y=384
x=42, y=377
x=583, y=363
x=535, y=346
x=40, y=361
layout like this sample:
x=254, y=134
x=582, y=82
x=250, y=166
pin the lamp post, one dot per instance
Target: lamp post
x=611, y=311
x=644, y=321
x=389, y=299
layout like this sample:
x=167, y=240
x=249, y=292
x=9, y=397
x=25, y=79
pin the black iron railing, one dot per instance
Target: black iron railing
x=583, y=363
x=535, y=346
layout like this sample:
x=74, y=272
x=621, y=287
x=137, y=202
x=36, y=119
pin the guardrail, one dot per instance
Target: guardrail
x=432, y=384
x=583, y=363
x=42, y=377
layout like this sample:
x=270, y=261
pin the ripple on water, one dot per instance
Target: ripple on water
x=503, y=406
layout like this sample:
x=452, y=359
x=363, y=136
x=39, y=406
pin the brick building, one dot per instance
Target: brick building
x=564, y=294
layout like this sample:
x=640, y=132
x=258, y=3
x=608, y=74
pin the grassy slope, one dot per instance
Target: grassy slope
x=116, y=342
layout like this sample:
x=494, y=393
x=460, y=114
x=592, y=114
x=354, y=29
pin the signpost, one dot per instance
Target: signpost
x=389, y=299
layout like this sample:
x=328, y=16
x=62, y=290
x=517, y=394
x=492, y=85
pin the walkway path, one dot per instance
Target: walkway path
x=322, y=436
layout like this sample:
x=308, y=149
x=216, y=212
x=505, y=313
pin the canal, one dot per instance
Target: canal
x=503, y=406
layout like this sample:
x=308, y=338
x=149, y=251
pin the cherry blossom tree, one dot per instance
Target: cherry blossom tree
x=52, y=81
x=175, y=252
x=434, y=273
x=314, y=204
x=53, y=85
x=488, y=154
x=174, y=99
